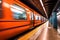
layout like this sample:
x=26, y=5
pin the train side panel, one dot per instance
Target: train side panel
x=37, y=18
x=10, y=24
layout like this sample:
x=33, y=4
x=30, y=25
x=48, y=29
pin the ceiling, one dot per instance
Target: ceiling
x=36, y=5
x=49, y=5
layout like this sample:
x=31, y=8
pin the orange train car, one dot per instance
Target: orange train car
x=15, y=18
x=37, y=18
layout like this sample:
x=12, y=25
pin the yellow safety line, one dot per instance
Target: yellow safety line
x=30, y=34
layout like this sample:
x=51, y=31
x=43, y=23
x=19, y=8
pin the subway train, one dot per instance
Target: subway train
x=16, y=17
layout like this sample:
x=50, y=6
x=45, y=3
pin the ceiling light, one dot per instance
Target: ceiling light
x=0, y=1
x=43, y=7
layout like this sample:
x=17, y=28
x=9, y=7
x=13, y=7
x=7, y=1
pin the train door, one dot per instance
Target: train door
x=36, y=17
x=42, y=20
x=39, y=19
x=32, y=19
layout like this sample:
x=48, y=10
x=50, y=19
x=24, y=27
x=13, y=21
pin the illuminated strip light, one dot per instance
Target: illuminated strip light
x=0, y=1
x=43, y=8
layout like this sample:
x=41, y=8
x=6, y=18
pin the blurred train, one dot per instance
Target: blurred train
x=16, y=17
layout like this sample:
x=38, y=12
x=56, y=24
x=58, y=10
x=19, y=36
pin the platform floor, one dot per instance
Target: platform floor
x=51, y=34
x=46, y=33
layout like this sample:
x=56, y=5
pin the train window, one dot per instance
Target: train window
x=37, y=17
x=42, y=19
x=19, y=13
x=32, y=16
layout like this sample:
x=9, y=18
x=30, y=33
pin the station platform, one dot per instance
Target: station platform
x=43, y=32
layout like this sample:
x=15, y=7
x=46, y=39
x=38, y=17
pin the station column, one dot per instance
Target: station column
x=53, y=20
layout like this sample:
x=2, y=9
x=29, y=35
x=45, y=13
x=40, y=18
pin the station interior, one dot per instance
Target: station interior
x=29, y=19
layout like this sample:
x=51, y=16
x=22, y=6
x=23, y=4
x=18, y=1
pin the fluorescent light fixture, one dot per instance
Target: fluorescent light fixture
x=43, y=7
x=0, y=1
